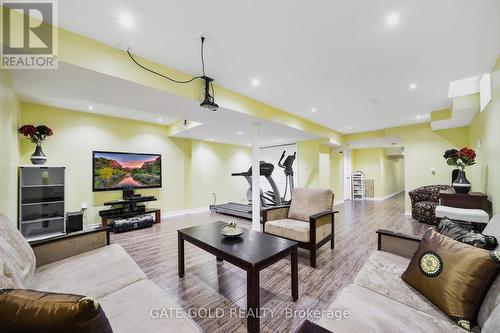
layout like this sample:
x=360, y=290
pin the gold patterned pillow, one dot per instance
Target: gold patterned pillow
x=452, y=275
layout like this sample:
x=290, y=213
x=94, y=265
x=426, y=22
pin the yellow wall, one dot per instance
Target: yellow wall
x=9, y=113
x=369, y=162
x=308, y=163
x=392, y=175
x=424, y=150
x=308, y=166
x=211, y=168
x=485, y=176
x=191, y=169
x=386, y=171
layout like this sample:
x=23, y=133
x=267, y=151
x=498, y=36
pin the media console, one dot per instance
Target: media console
x=129, y=207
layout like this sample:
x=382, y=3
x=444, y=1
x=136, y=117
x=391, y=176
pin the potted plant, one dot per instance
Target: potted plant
x=37, y=135
x=461, y=159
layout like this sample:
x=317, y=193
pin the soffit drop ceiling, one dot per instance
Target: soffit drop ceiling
x=335, y=56
x=75, y=88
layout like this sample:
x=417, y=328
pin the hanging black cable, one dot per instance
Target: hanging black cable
x=160, y=74
x=209, y=100
x=202, y=56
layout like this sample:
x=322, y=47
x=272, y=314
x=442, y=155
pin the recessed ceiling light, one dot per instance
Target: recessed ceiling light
x=249, y=145
x=126, y=20
x=211, y=139
x=419, y=117
x=240, y=133
x=349, y=127
x=255, y=82
x=313, y=110
x=160, y=120
x=413, y=86
x=392, y=19
x=90, y=107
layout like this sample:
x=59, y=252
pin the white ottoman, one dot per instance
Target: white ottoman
x=477, y=217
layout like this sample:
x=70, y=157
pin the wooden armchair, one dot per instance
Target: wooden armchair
x=309, y=220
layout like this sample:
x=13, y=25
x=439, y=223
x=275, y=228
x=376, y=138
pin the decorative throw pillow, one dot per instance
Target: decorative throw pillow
x=452, y=275
x=456, y=231
x=30, y=311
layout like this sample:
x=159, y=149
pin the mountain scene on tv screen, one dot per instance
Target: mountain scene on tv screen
x=126, y=170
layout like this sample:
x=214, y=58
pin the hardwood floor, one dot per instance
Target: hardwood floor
x=209, y=284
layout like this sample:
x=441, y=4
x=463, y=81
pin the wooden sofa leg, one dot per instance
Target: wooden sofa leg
x=312, y=257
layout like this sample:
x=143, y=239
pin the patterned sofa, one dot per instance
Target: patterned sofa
x=424, y=201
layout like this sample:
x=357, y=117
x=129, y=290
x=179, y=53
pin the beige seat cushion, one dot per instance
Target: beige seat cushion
x=95, y=273
x=130, y=309
x=288, y=228
x=490, y=303
x=296, y=230
x=309, y=201
x=382, y=274
x=17, y=257
x=492, y=325
x=371, y=312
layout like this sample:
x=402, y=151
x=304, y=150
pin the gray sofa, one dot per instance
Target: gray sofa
x=105, y=272
x=378, y=300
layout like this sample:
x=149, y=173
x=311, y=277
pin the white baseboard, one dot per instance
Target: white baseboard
x=338, y=202
x=385, y=196
x=185, y=212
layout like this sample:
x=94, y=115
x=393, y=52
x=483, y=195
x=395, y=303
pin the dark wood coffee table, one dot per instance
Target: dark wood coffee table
x=253, y=251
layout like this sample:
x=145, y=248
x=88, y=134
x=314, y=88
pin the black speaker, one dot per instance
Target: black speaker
x=74, y=222
x=128, y=193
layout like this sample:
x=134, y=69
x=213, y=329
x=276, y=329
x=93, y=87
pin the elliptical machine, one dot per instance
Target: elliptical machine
x=270, y=198
x=287, y=167
x=245, y=210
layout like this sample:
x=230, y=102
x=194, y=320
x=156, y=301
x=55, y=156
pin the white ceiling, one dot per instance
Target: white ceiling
x=76, y=88
x=336, y=56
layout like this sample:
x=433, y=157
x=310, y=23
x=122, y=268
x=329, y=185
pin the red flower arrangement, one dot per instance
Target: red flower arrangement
x=460, y=158
x=37, y=134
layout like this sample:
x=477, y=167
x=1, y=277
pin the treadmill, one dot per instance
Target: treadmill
x=266, y=200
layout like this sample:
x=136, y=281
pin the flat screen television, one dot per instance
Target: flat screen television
x=116, y=171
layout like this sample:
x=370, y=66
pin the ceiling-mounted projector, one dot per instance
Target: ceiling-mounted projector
x=208, y=102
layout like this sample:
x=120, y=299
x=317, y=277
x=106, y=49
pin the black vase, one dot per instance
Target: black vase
x=461, y=184
x=38, y=156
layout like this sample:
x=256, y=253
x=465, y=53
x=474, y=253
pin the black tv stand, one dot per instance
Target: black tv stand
x=124, y=208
